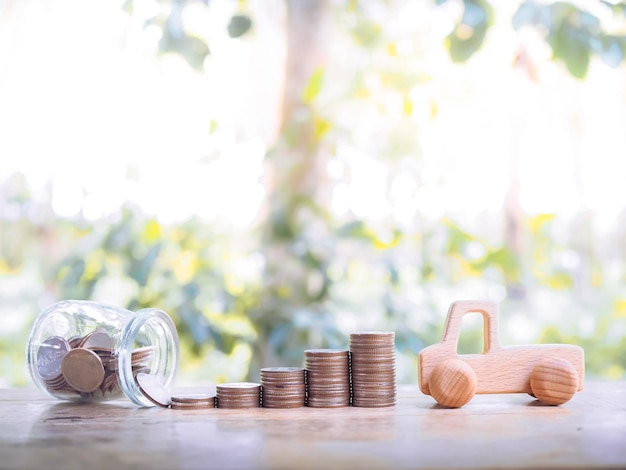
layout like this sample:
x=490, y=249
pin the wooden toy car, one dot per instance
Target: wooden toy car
x=550, y=372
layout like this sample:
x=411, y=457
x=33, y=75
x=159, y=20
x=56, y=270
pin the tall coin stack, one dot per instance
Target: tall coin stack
x=283, y=387
x=328, y=377
x=239, y=395
x=373, y=358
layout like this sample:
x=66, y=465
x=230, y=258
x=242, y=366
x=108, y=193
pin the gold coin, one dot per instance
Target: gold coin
x=83, y=370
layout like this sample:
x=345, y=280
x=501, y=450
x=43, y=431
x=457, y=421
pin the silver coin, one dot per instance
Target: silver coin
x=50, y=357
x=97, y=339
x=153, y=389
x=241, y=387
x=193, y=398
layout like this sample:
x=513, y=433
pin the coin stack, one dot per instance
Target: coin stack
x=86, y=365
x=328, y=377
x=373, y=360
x=283, y=387
x=192, y=402
x=239, y=395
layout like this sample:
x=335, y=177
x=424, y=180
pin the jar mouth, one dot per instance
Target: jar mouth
x=148, y=343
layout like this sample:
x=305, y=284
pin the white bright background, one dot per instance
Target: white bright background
x=93, y=120
x=82, y=100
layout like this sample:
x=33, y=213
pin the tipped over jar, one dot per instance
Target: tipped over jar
x=92, y=352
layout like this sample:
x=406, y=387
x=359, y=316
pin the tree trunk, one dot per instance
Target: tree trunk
x=293, y=175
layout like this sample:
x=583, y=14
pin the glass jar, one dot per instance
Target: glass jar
x=87, y=351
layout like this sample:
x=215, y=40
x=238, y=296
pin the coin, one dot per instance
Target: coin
x=191, y=406
x=238, y=395
x=50, y=356
x=328, y=378
x=191, y=401
x=373, y=368
x=74, y=341
x=153, y=389
x=193, y=398
x=325, y=352
x=283, y=370
x=97, y=339
x=83, y=370
x=283, y=387
x=54, y=349
x=241, y=386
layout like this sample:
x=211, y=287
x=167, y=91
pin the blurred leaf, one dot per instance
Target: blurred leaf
x=282, y=228
x=239, y=25
x=617, y=8
x=570, y=44
x=537, y=222
x=185, y=266
x=321, y=128
x=278, y=336
x=128, y=6
x=140, y=268
x=619, y=308
x=151, y=231
x=529, y=13
x=71, y=272
x=314, y=86
x=457, y=238
x=367, y=33
x=237, y=326
x=356, y=229
x=612, y=49
x=407, y=105
x=572, y=33
x=193, y=49
x=196, y=325
x=119, y=235
x=504, y=260
x=469, y=35
x=559, y=280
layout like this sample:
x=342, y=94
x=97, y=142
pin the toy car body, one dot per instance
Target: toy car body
x=498, y=369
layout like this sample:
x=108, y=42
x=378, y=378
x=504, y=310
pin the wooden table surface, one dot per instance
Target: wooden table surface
x=492, y=431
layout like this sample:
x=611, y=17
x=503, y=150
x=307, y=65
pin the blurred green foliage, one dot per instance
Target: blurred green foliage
x=304, y=277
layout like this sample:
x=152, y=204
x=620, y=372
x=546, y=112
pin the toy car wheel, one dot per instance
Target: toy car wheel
x=554, y=381
x=452, y=383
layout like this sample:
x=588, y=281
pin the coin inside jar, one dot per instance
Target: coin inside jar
x=83, y=370
x=50, y=357
x=97, y=339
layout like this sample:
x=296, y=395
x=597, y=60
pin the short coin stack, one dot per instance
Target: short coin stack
x=328, y=377
x=192, y=402
x=239, y=395
x=86, y=365
x=283, y=387
x=373, y=360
